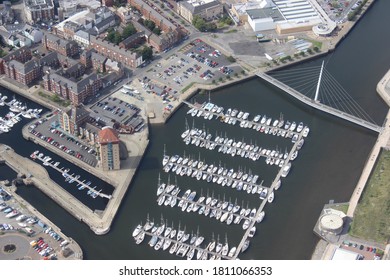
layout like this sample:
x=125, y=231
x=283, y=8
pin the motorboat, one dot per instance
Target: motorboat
x=245, y=245
x=137, y=230
x=252, y=232
x=260, y=217
x=286, y=169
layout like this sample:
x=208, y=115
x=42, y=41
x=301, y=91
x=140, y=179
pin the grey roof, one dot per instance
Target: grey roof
x=72, y=25
x=199, y=8
x=141, y=28
x=265, y=13
x=24, y=68
x=83, y=34
x=98, y=57
x=49, y=58
x=62, y=42
x=133, y=37
x=71, y=83
x=38, y=4
x=17, y=52
x=113, y=47
x=104, y=22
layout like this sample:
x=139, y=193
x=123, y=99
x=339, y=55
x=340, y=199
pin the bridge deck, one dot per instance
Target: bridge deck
x=319, y=105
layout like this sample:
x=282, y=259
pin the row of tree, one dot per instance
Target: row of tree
x=152, y=26
x=116, y=37
x=202, y=25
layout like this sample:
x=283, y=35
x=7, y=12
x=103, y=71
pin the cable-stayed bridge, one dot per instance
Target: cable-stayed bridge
x=320, y=90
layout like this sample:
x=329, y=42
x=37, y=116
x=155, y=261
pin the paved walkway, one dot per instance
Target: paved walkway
x=382, y=142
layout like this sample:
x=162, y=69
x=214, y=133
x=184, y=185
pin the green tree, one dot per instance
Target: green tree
x=110, y=36
x=117, y=38
x=243, y=72
x=149, y=24
x=211, y=27
x=231, y=59
x=147, y=53
x=316, y=49
x=156, y=30
x=128, y=31
x=199, y=23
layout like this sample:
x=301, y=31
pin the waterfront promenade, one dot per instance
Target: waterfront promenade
x=383, y=141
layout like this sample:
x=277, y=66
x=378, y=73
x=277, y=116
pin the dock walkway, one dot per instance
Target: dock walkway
x=262, y=205
x=71, y=177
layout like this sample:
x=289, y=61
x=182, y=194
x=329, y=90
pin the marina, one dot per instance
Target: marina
x=201, y=138
x=181, y=243
x=69, y=178
x=261, y=123
x=239, y=180
x=17, y=110
x=222, y=210
x=209, y=206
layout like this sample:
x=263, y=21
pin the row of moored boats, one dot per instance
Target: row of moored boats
x=264, y=124
x=222, y=210
x=17, y=109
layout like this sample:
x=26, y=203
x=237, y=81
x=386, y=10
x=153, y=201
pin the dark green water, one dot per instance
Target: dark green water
x=328, y=166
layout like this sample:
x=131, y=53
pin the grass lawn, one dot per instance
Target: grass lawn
x=371, y=219
x=341, y=207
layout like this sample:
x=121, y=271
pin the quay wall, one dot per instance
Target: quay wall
x=27, y=93
x=195, y=88
x=94, y=171
x=99, y=223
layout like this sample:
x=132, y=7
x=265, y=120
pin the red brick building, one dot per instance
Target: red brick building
x=75, y=90
x=116, y=53
x=64, y=47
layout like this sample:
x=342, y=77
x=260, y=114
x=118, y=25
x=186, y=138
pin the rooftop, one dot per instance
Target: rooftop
x=265, y=13
x=33, y=4
x=108, y=135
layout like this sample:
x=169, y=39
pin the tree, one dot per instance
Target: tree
x=231, y=59
x=199, y=23
x=211, y=27
x=149, y=24
x=147, y=53
x=117, y=38
x=156, y=30
x=128, y=31
x=110, y=36
x=243, y=72
x=316, y=49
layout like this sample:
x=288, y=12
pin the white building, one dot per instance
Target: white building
x=345, y=255
x=34, y=34
x=82, y=37
x=286, y=16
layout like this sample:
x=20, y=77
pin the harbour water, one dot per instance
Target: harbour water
x=328, y=166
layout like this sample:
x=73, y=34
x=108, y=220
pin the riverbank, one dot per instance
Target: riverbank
x=383, y=142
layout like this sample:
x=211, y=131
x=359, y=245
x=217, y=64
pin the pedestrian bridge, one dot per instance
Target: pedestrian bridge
x=315, y=103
